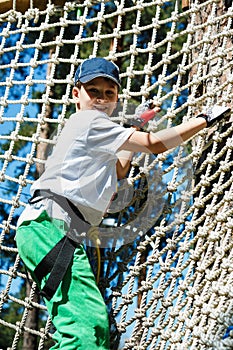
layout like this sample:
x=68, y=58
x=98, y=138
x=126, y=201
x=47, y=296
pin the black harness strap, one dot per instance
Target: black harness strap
x=59, y=257
x=56, y=262
x=46, y=264
x=63, y=202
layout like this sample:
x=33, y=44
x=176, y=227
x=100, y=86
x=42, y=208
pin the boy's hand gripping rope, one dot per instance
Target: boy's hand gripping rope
x=215, y=114
x=143, y=113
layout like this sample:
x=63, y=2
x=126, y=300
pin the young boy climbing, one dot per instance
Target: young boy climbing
x=74, y=192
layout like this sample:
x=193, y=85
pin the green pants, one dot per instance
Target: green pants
x=77, y=309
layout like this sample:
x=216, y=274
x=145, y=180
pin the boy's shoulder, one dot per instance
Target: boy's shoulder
x=87, y=121
x=87, y=117
x=89, y=114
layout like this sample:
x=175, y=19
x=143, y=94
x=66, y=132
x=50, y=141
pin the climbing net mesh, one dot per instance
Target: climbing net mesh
x=171, y=287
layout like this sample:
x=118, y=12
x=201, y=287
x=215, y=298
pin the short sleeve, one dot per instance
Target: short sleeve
x=106, y=136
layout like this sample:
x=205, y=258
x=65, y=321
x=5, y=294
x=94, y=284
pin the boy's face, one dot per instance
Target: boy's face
x=100, y=94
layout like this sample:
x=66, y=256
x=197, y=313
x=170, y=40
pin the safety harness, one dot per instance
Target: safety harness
x=57, y=260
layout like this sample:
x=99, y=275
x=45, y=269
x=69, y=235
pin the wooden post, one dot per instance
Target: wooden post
x=24, y=5
x=185, y=5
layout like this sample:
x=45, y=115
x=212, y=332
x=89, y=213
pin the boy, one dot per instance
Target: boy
x=74, y=192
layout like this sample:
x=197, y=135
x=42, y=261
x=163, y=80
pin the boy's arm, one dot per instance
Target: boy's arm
x=166, y=139
x=155, y=143
x=163, y=140
x=123, y=163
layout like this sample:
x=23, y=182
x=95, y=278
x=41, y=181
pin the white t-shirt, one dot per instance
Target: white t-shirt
x=82, y=166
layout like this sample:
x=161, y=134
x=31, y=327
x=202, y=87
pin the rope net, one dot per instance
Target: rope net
x=168, y=288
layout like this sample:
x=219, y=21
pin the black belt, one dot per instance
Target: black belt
x=59, y=257
x=63, y=202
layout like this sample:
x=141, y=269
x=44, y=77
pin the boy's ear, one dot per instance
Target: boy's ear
x=75, y=93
